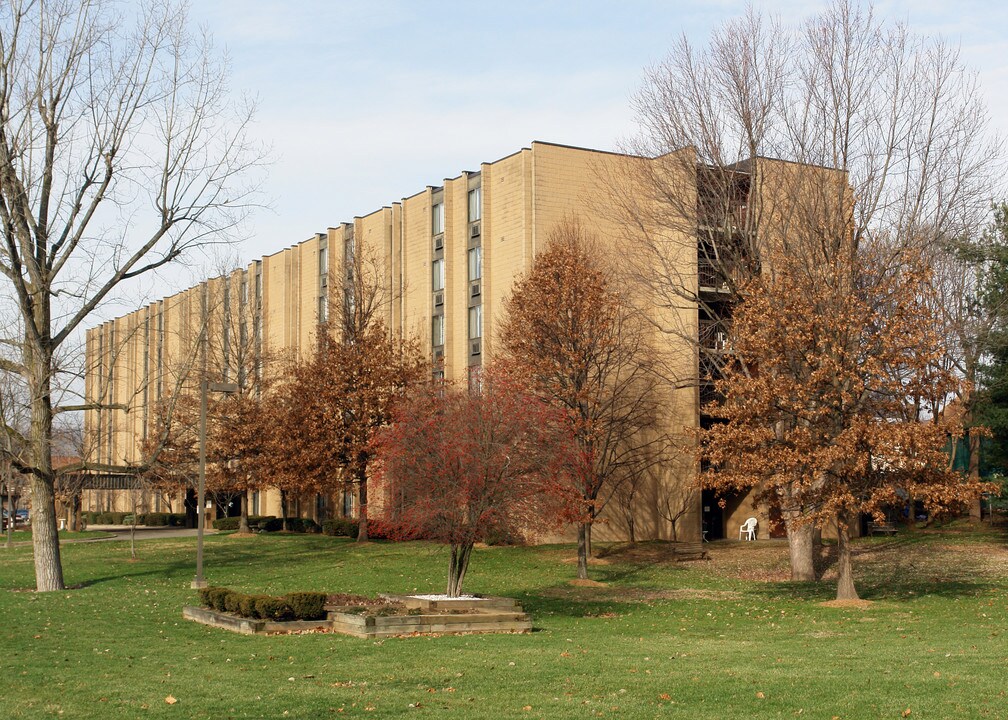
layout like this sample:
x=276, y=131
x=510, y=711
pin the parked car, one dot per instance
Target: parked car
x=21, y=517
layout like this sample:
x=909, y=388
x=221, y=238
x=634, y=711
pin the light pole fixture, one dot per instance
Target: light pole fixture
x=205, y=387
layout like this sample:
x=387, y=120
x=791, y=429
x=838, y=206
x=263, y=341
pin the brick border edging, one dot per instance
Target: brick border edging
x=494, y=620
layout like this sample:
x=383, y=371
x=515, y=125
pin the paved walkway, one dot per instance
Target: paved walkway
x=146, y=532
x=122, y=532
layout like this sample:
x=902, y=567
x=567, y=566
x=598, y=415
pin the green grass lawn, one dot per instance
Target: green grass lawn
x=720, y=639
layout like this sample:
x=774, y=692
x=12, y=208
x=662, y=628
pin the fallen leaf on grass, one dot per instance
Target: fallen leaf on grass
x=760, y=695
x=664, y=696
x=170, y=700
x=906, y=713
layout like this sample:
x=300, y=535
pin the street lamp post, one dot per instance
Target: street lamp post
x=205, y=387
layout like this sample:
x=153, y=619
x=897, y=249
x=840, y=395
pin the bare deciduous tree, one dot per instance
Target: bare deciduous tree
x=884, y=142
x=120, y=151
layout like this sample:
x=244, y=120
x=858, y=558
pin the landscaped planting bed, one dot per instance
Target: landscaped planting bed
x=357, y=615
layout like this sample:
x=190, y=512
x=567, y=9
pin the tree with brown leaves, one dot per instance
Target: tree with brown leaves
x=577, y=343
x=835, y=396
x=461, y=467
x=330, y=407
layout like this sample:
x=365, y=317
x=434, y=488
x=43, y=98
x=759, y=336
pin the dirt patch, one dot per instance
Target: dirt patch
x=241, y=535
x=586, y=583
x=849, y=604
x=640, y=553
x=591, y=561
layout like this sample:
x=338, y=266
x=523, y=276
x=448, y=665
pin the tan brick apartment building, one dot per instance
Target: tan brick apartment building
x=448, y=256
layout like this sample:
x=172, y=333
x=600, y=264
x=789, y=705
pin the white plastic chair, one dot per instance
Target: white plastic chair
x=748, y=529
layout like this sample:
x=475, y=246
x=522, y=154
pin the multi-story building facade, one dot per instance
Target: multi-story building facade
x=445, y=259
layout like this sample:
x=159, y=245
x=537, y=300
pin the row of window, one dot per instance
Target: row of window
x=475, y=326
x=475, y=269
x=438, y=212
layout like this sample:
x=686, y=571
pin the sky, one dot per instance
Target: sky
x=364, y=103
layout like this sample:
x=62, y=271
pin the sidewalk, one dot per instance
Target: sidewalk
x=122, y=532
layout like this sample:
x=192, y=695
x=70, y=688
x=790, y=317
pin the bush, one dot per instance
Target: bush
x=296, y=525
x=378, y=529
x=232, y=602
x=247, y=606
x=214, y=597
x=340, y=528
x=307, y=605
x=303, y=525
x=273, y=608
x=256, y=522
x=271, y=525
x=295, y=606
x=204, y=596
x=230, y=523
x=154, y=519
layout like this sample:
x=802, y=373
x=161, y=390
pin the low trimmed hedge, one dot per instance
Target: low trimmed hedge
x=340, y=528
x=231, y=523
x=307, y=605
x=125, y=518
x=294, y=525
x=294, y=606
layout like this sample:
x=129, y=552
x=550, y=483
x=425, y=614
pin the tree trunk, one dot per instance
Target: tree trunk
x=284, y=525
x=243, y=526
x=45, y=534
x=582, y=568
x=458, y=563
x=362, y=529
x=845, y=577
x=45, y=537
x=588, y=534
x=75, y=512
x=632, y=529
x=801, y=549
x=10, y=513
x=133, y=525
x=973, y=443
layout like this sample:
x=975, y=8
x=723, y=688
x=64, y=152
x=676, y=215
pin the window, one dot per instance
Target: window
x=437, y=330
x=475, y=379
x=475, y=263
x=323, y=261
x=474, y=205
x=348, y=302
x=437, y=275
x=348, y=250
x=475, y=322
x=323, y=308
x=437, y=218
